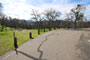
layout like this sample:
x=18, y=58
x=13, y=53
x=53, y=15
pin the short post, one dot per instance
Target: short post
x=30, y=35
x=15, y=43
x=44, y=30
x=38, y=31
x=54, y=28
x=49, y=29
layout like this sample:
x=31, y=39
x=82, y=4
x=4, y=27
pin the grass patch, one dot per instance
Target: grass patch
x=6, y=39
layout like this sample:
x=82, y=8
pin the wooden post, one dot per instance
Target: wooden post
x=30, y=35
x=54, y=28
x=49, y=28
x=15, y=43
x=39, y=31
x=44, y=30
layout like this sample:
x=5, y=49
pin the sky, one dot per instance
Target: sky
x=22, y=8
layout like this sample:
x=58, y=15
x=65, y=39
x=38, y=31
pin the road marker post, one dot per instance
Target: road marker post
x=15, y=43
x=30, y=35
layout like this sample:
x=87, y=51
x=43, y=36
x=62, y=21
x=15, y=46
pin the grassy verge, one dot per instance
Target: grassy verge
x=6, y=39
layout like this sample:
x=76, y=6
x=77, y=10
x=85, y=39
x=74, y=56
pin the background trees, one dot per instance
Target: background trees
x=1, y=10
x=76, y=14
x=36, y=16
x=49, y=18
x=2, y=17
x=51, y=15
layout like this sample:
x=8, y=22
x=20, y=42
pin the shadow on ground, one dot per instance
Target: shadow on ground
x=83, y=47
x=29, y=56
x=38, y=49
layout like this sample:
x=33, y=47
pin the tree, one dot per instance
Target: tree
x=2, y=17
x=38, y=19
x=1, y=10
x=76, y=14
x=51, y=15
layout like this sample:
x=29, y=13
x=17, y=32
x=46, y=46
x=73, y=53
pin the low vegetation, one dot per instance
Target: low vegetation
x=7, y=40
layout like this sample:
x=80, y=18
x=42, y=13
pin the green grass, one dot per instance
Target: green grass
x=6, y=38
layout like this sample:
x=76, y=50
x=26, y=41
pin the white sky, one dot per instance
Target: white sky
x=22, y=8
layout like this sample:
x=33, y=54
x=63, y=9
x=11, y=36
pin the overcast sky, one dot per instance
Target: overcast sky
x=22, y=8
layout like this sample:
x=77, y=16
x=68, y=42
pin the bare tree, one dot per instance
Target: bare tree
x=38, y=19
x=76, y=14
x=51, y=15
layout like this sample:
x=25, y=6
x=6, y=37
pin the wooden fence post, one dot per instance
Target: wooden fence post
x=30, y=35
x=38, y=31
x=15, y=43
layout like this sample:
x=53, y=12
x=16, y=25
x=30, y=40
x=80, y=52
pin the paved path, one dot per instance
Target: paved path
x=54, y=45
